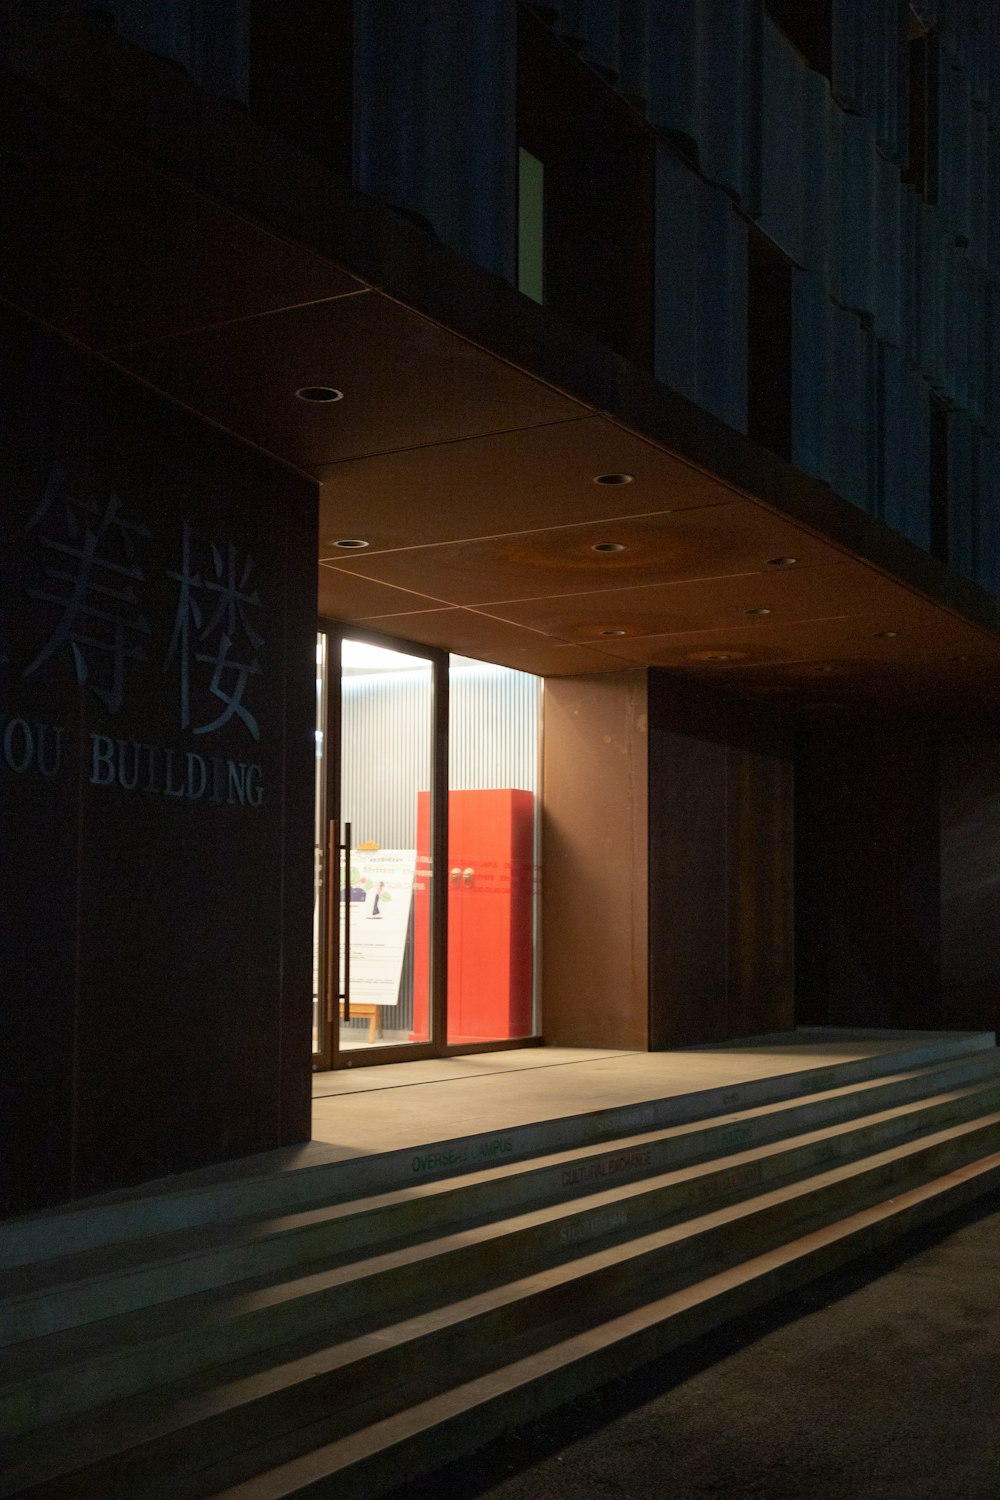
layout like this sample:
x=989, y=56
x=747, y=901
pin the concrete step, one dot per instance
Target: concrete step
x=38, y=1300
x=514, y=1293
x=393, y=1363
x=396, y=1236
x=369, y=1462
x=251, y=1191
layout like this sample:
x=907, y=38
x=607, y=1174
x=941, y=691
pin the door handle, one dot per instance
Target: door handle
x=346, y=996
x=334, y=848
x=468, y=875
x=332, y=873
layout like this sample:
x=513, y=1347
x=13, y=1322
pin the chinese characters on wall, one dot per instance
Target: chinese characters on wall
x=97, y=575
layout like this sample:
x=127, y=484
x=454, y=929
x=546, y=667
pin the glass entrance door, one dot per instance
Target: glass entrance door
x=423, y=764
x=374, y=980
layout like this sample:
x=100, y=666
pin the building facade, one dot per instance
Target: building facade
x=635, y=360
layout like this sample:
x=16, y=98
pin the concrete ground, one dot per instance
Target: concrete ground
x=880, y=1381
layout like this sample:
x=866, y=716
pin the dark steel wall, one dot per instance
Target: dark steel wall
x=154, y=902
x=868, y=911
x=721, y=960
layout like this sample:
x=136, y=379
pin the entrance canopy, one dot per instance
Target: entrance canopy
x=514, y=490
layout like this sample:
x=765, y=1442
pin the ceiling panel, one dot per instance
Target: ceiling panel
x=344, y=596
x=504, y=482
x=713, y=541
x=112, y=255
x=405, y=382
x=924, y=635
x=471, y=634
x=774, y=597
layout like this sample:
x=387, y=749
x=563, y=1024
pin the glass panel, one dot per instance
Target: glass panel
x=493, y=842
x=530, y=225
x=387, y=702
x=318, y=1039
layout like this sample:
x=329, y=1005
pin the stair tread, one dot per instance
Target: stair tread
x=118, y=1219
x=597, y=1220
x=89, y=1343
x=169, y=1409
x=329, y=1459
x=92, y=1267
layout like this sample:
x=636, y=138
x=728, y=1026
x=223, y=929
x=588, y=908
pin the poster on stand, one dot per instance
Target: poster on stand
x=380, y=893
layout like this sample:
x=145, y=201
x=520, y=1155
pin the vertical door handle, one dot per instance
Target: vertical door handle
x=346, y=997
x=332, y=917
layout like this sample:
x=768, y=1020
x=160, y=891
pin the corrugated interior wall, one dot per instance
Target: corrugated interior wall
x=493, y=735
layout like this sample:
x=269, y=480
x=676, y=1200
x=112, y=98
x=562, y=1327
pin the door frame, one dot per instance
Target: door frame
x=329, y=1056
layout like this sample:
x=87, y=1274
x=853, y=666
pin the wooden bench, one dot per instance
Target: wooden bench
x=371, y=1013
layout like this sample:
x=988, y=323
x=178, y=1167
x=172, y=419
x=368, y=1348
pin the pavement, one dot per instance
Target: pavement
x=882, y=1380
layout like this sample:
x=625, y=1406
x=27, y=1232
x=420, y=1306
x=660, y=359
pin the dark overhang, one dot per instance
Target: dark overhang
x=473, y=435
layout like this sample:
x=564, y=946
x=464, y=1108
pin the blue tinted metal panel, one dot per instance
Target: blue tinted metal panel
x=982, y=191
x=904, y=460
x=208, y=38
x=889, y=265
x=729, y=68
x=784, y=96
x=910, y=207
x=701, y=296
x=435, y=119
x=928, y=308
x=975, y=334
x=811, y=374
x=988, y=512
x=673, y=36
x=890, y=101
x=856, y=279
x=676, y=338
x=634, y=47
x=962, y=519
x=851, y=409
x=991, y=360
x=594, y=26
x=722, y=308
x=821, y=120
x=993, y=223
x=953, y=150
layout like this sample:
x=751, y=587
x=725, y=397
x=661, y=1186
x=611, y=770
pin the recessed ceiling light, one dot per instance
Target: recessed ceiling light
x=886, y=635
x=716, y=656
x=782, y=562
x=757, y=611
x=613, y=478
x=350, y=544
x=608, y=547
x=319, y=394
x=614, y=632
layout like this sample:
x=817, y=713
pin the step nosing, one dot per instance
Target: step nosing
x=331, y=1458
x=480, y=1304
x=242, y=1233
x=913, y=1052
x=598, y=1219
